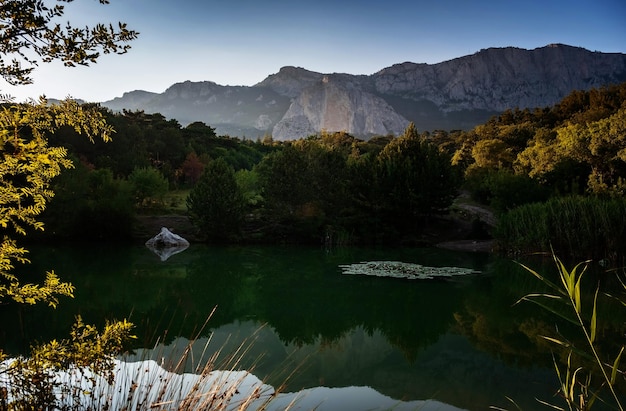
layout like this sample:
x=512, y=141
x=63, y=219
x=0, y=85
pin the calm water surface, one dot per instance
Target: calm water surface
x=461, y=342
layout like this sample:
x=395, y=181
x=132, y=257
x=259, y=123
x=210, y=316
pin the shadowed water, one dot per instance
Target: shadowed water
x=459, y=341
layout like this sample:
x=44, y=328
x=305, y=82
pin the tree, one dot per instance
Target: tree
x=599, y=146
x=215, y=204
x=493, y=154
x=284, y=179
x=29, y=34
x=416, y=179
x=304, y=186
x=192, y=168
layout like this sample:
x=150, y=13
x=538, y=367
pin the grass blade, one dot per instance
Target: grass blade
x=616, y=366
x=594, y=318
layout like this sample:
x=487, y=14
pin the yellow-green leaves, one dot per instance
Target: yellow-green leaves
x=571, y=282
x=576, y=386
x=27, y=167
x=593, y=326
x=47, y=292
x=35, y=379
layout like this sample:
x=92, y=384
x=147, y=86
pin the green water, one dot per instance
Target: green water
x=461, y=341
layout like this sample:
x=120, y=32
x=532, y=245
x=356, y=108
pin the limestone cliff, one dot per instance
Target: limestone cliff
x=501, y=78
x=458, y=93
x=335, y=103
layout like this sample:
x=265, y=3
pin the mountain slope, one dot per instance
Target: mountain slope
x=458, y=93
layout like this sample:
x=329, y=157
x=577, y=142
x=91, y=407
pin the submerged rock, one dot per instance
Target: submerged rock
x=166, y=244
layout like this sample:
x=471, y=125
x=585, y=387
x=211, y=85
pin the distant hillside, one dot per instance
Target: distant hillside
x=455, y=94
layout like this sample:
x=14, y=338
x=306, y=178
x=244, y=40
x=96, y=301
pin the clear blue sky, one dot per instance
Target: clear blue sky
x=240, y=42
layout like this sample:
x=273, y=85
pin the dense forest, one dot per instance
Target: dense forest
x=530, y=166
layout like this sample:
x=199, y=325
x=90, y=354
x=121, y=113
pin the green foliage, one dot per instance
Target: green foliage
x=248, y=183
x=579, y=140
x=28, y=33
x=574, y=226
x=579, y=386
x=415, y=178
x=28, y=167
x=283, y=177
x=150, y=140
x=215, y=205
x=600, y=145
x=89, y=204
x=148, y=185
x=503, y=190
x=35, y=379
x=492, y=153
x=325, y=187
x=304, y=188
x=109, y=207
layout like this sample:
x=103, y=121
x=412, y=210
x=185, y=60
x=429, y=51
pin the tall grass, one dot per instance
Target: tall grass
x=218, y=381
x=581, y=227
x=581, y=387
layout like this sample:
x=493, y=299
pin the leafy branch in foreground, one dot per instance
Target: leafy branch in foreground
x=27, y=168
x=577, y=387
x=34, y=382
x=30, y=31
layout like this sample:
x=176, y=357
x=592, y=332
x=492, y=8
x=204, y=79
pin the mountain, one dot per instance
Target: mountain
x=455, y=94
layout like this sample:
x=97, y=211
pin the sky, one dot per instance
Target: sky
x=241, y=42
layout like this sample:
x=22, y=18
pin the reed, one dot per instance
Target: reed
x=581, y=387
x=580, y=227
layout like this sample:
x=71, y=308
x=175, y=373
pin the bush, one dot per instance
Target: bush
x=148, y=185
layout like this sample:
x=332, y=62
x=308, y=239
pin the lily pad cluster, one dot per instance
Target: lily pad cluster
x=398, y=269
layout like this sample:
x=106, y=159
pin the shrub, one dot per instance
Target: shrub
x=148, y=185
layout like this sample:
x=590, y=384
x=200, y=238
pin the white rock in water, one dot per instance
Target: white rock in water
x=166, y=239
x=166, y=244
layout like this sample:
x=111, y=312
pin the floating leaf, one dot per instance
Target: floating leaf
x=397, y=269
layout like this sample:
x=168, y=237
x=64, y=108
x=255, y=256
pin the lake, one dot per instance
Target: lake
x=461, y=341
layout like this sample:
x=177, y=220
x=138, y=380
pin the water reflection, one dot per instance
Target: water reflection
x=449, y=370
x=405, y=339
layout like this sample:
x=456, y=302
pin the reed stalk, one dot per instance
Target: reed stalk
x=576, y=384
x=578, y=227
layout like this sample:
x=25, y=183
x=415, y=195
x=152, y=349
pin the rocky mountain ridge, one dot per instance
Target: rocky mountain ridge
x=455, y=94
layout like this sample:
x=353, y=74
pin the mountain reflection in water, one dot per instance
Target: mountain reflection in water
x=456, y=341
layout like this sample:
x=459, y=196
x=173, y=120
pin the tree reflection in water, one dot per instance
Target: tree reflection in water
x=456, y=341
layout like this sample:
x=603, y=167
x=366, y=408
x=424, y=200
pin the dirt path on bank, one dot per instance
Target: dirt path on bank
x=474, y=221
